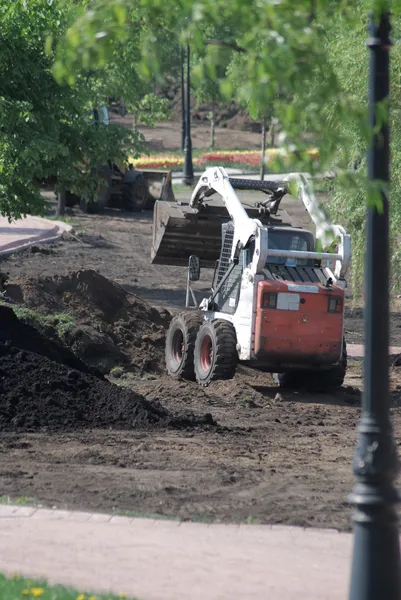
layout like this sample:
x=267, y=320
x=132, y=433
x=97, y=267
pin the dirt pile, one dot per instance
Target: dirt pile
x=23, y=336
x=111, y=326
x=63, y=394
x=228, y=115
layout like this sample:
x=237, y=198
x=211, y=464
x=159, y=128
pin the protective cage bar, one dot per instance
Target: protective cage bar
x=257, y=184
x=303, y=254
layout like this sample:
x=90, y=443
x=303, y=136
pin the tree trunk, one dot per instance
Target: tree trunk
x=263, y=152
x=60, y=210
x=213, y=126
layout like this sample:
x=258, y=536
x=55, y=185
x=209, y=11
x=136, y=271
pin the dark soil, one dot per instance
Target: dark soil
x=113, y=327
x=276, y=457
x=23, y=336
x=37, y=392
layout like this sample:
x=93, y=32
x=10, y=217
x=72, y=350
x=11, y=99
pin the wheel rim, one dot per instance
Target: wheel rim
x=178, y=347
x=140, y=194
x=206, y=353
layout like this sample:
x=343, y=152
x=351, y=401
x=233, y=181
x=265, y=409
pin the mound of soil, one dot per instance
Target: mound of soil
x=23, y=336
x=112, y=326
x=39, y=393
x=226, y=113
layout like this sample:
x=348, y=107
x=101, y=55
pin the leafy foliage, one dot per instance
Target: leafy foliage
x=45, y=124
x=306, y=63
x=349, y=58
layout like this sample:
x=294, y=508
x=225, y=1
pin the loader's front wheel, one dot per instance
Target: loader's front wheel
x=180, y=345
x=135, y=194
x=215, y=355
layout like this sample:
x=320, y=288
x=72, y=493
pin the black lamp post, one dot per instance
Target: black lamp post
x=376, y=568
x=188, y=165
x=182, y=58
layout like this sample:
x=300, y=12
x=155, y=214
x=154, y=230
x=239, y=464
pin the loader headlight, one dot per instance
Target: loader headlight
x=335, y=304
x=269, y=300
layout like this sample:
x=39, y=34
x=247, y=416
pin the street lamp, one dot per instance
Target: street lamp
x=182, y=58
x=376, y=569
x=188, y=165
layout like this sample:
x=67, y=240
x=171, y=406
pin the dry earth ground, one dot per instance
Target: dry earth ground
x=275, y=458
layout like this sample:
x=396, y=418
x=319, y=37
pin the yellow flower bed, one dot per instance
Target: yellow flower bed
x=156, y=162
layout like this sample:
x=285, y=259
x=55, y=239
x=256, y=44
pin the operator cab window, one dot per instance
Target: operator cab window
x=287, y=240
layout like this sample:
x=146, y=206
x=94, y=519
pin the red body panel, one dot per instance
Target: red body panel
x=308, y=334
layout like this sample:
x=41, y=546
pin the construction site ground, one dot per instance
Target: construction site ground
x=248, y=453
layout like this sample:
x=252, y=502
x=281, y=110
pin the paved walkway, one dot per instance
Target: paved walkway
x=30, y=231
x=358, y=350
x=168, y=560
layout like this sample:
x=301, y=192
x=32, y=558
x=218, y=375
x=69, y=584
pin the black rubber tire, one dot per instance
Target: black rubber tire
x=103, y=197
x=180, y=345
x=320, y=381
x=90, y=208
x=216, y=355
x=334, y=378
x=135, y=195
x=71, y=199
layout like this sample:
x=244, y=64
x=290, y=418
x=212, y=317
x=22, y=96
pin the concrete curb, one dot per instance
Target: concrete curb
x=23, y=233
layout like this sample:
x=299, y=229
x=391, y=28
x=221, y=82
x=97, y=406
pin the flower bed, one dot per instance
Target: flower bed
x=157, y=162
x=247, y=158
x=250, y=158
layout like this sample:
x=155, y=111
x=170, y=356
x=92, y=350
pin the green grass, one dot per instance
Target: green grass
x=120, y=512
x=220, y=163
x=20, y=501
x=117, y=372
x=64, y=219
x=16, y=587
x=63, y=323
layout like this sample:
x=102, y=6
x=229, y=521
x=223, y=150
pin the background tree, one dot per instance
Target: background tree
x=209, y=69
x=45, y=125
x=345, y=42
x=306, y=64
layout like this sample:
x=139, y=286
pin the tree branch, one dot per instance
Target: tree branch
x=232, y=45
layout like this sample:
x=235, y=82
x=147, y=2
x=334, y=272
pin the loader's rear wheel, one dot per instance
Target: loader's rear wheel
x=180, y=345
x=320, y=381
x=215, y=355
x=135, y=194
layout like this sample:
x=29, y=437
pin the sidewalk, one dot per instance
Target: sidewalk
x=23, y=233
x=169, y=560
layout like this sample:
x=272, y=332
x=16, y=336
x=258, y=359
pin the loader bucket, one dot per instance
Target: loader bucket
x=180, y=231
x=159, y=182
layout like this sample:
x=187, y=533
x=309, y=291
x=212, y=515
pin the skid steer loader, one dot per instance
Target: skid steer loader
x=126, y=189
x=276, y=303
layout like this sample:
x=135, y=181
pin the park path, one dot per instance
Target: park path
x=171, y=560
x=22, y=233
